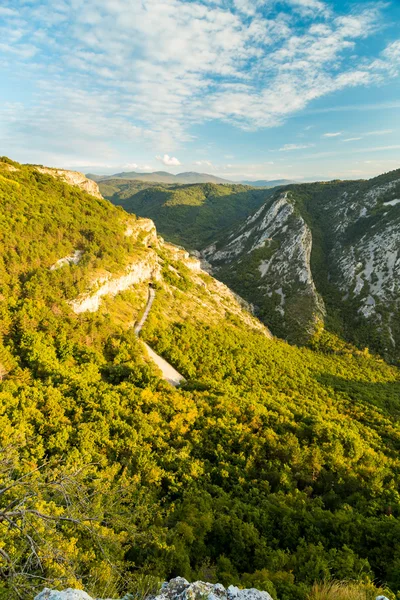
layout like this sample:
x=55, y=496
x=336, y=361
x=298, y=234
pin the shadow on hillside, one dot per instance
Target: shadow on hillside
x=193, y=221
x=384, y=396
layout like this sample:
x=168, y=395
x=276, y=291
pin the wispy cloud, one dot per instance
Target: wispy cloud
x=380, y=132
x=370, y=133
x=332, y=135
x=290, y=147
x=203, y=163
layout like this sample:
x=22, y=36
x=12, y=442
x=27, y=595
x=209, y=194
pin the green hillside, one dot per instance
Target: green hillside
x=273, y=466
x=302, y=254
x=191, y=215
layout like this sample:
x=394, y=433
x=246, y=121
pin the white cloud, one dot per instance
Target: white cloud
x=368, y=133
x=169, y=161
x=290, y=147
x=332, y=135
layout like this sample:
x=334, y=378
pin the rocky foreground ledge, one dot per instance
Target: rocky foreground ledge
x=177, y=589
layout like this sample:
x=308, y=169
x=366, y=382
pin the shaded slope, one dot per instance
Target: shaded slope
x=191, y=215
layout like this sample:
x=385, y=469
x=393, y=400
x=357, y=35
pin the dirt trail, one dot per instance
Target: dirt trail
x=169, y=373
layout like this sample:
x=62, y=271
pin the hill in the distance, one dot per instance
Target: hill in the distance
x=192, y=215
x=161, y=177
x=268, y=183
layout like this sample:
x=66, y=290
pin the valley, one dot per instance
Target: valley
x=306, y=255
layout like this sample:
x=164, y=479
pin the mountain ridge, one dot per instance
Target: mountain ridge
x=161, y=177
x=352, y=257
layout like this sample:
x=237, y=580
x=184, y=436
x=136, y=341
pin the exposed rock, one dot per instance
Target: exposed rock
x=177, y=589
x=278, y=232
x=144, y=270
x=68, y=594
x=73, y=178
x=8, y=167
x=72, y=259
x=180, y=589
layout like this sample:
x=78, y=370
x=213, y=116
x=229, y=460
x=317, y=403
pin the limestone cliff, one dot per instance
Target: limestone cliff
x=73, y=178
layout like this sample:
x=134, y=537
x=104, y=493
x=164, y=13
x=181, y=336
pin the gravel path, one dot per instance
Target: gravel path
x=169, y=373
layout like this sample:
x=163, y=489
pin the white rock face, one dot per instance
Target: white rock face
x=72, y=259
x=286, y=272
x=177, y=589
x=73, y=178
x=357, y=254
x=145, y=270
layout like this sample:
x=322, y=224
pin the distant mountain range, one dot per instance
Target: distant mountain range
x=269, y=184
x=184, y=178
x=161, y=177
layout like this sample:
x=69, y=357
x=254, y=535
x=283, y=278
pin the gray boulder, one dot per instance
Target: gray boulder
x=181, y=589
x=176, y=589
x=68, y=594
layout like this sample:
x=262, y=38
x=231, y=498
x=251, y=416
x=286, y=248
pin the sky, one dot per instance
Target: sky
x=244, y=89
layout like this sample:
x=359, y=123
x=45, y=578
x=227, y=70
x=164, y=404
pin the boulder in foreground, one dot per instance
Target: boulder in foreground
x=177, y=589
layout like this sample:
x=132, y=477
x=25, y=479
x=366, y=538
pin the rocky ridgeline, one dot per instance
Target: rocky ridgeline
x=73, y=178
x=177, y=589
x=320, y=250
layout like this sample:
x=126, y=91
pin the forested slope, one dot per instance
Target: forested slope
x=273, y=466
x=303, y=254
x=191, y=215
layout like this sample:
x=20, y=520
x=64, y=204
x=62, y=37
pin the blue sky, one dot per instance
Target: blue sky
x=246, y=89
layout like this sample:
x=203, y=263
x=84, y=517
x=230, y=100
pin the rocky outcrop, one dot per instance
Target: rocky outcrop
x=275, y=245
x=72, y=259
x=177, y=589
x=180, y=589
x=73, y=178
x=138, y=272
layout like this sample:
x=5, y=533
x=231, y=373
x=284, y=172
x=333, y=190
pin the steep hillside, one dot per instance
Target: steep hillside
x=323, y=252
x=272, y=466
x=191, y=215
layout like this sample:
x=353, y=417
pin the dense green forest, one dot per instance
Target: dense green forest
x=272, y=466
x=192, y=215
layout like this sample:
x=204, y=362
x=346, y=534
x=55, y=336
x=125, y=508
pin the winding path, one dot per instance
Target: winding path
x=150, y=300
x=169, y=373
